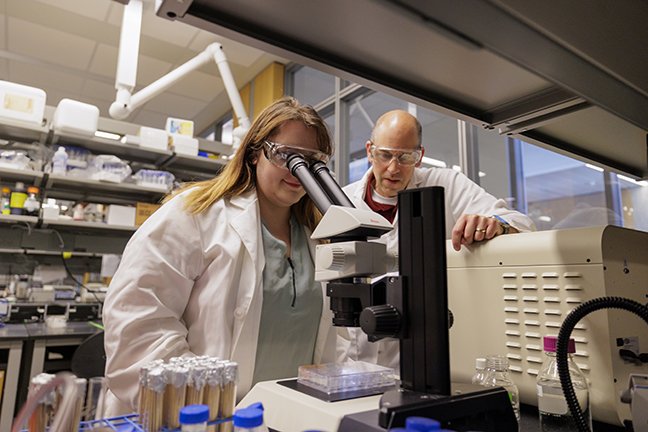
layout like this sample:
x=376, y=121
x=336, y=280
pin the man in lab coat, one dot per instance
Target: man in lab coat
x=472, y=215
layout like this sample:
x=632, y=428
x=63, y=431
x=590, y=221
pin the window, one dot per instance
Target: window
x=311, y=86
x=562, y=192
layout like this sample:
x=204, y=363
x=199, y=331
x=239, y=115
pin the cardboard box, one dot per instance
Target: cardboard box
x=143, y=211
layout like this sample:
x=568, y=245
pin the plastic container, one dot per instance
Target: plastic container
x=332, y=378
x=497, y=375
x=421, y=424
x=480, y=371
x=249, y=419
x=5, y=208
x=17, y=199
x=193, y=418
x=22, y=102
x=552, y=407
x=59, y=161
x=32, y=204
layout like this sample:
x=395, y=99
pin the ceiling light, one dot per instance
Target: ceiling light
x=633, y=181
x=545, y=218
x=482, y=174
x=108, y=135
x=433, y=162
x=594, y=167
x=456, y=167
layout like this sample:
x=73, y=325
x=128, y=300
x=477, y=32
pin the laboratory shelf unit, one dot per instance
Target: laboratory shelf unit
x=18, y=175
x=194, y=166
x=22, y=131
x=18, y=219
x=64, y=187
x=86, y=226
x=113, y=147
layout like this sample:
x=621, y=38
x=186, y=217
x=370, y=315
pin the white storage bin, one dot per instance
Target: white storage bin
x=20, y=102
x=153, y=138
x=75, y=117
x=182, y=144
x=120, y=215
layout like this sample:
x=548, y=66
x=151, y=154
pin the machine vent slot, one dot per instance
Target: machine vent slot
x=534, y=311
x=529, y=275
x=552, y=287
x=529, y=287
x=530, y=299
x=550, y=275
x=509, y=275
x=509, y=286
x=510, y=298
x=512, y=321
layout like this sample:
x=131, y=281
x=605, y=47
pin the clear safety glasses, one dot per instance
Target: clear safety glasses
x=278, y=154
x=385, y=155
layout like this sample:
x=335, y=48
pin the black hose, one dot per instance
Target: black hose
x=563, y=340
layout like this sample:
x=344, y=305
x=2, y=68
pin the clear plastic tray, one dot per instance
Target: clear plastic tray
x=333, y=378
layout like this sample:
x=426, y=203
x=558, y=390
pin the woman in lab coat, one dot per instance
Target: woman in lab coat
x=225, y=268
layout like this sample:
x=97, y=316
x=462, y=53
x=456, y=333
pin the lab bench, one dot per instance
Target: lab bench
x=29, y=349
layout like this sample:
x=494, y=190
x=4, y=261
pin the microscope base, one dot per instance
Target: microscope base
x=469, y=408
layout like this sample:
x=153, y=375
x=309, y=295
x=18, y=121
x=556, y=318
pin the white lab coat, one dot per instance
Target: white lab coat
x=462, y=196
x=191, y=285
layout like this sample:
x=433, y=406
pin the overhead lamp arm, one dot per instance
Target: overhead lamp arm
x=126, y=102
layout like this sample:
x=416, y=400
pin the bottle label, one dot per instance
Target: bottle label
x=551, y=400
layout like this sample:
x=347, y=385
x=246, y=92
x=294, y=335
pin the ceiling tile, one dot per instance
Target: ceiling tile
x=104, y=61
x=4, y=69
x=175, y=105
x=46, y=79
x=199, y=85
x=150, y=119
x=49, y=45
x=150, y=69
x=234, y=51
x=96, y=9
x=96, y=89
x=3, y=34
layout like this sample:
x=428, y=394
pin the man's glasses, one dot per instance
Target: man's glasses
x=278, y=154
x=385, y=155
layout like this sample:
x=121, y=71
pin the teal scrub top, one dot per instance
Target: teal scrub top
x=292, y=307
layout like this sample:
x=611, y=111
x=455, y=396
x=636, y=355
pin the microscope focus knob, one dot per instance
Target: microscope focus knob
x=380, y=321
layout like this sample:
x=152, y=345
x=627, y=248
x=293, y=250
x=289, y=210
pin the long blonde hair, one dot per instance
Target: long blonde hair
x=239, y=175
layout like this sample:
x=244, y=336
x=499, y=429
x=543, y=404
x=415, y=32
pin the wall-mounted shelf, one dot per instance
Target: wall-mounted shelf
x=18, y=219
x=71, y=188
x=22, y=131
x=85, y=226
x=106, y=146
x=26, y=176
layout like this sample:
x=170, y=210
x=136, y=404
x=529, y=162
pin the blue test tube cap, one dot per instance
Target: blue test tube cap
x=248, y=417
x=421, y=424
x=194, y=414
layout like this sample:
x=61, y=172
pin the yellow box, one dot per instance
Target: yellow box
x=143, y=211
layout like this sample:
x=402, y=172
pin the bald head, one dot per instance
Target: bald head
x=397, y=128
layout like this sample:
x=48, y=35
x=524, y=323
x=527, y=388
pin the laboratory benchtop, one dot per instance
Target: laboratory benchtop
x=42, y=331
x=13, y=332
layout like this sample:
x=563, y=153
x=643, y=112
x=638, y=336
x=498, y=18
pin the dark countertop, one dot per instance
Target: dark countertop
x=13, y=332
x=42, y=331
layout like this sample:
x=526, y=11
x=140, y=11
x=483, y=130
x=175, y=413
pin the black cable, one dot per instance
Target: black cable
x=69, y=272
x=563, y=340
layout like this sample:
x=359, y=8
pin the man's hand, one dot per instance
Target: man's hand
x=474, y=228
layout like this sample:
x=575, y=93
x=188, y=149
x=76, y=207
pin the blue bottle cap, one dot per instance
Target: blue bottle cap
x=248, y=417
x=421, y=424
x=194, y=414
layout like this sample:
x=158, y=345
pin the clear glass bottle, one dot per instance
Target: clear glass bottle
x=497, y=375
x=193, y=418
x=480, y=371
x=552, y=406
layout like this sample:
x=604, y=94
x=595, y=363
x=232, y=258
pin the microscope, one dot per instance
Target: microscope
x=412, y=307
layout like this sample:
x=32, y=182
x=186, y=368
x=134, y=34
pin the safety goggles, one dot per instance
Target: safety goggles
x=385, y=155
x=278, y=154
